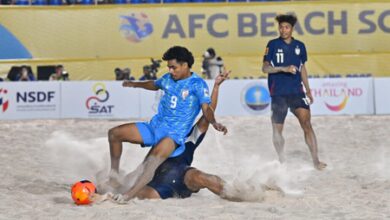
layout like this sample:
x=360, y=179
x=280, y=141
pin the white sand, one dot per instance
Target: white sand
x=40, y=160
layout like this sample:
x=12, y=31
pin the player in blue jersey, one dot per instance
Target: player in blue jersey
x=284, y=62
x=185, y=93
x=175, y=177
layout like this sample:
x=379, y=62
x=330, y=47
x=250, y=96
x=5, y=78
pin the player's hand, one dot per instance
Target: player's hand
x=292, y=69
x=128, y=83
x=221, y=77
x=309, y=95
x=220, y=127
x=119, y=198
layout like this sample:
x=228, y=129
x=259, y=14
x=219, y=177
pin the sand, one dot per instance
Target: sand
x=41, y=159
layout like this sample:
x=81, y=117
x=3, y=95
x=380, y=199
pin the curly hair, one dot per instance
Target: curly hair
x=291, y=19
x=181, y=54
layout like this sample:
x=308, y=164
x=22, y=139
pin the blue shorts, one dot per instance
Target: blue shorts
x=280, y=105
x=168, y=181
x=151, y=136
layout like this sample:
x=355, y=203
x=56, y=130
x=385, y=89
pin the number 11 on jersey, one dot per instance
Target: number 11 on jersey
x=280, y=57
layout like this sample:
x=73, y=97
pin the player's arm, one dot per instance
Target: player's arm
x=269, y=69
x=208, y=113
x=148, y=85
x=306, y=83
x=203, y=124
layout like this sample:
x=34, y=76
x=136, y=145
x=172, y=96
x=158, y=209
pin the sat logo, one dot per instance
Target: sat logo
x=96, y=103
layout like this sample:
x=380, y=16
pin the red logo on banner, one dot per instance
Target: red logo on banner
x=3, y=101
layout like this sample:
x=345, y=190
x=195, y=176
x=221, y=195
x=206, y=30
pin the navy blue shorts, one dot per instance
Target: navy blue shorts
x=168, y=181
x=280, y=105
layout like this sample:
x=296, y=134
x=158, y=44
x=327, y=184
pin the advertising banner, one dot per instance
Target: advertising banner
x=382, y=97
x=25, y=100
x=99, y=99
x=342, y=96
x=147, y=31
x=243, y=97
x=92, y=41
x=109, y=100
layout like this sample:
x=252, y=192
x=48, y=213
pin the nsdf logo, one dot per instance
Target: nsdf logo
x=35, y=96
x=255, y=98
x=96, y=104
x=3, y=100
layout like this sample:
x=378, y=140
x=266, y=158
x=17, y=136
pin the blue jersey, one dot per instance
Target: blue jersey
x=278, y=54
x=180, y=104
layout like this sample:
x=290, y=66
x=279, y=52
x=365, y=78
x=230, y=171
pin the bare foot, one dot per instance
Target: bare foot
x=282, y=158
x=320, y=165
x=111, y=185
x=98, y=198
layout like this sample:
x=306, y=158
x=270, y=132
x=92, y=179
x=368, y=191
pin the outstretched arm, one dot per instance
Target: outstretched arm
x=148, y=85
x=202, y=123
x=269, y=69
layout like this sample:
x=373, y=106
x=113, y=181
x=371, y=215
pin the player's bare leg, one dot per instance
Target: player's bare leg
x=148, y=193
x=116, y=136
x=195, y=180
x=303, y=116
x=145, y=171
x=278, y=140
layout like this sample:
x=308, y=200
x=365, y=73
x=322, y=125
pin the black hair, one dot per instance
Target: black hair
x=211, y=52
x=291, y=19
x=181, y=54
x=59, y=66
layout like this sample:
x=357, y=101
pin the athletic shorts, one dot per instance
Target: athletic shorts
x=151, y=136
x=280, y=105
x=168, y=181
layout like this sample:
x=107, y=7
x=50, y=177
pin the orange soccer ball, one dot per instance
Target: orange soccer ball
x=82, y=191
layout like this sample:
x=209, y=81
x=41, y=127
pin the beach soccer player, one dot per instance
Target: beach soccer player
x=185, y=93
x=284, y=62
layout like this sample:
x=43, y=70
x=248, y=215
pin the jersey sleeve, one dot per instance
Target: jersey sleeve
x=268, y=52
x=202, y=91
x=159, y=82
x=304, y=54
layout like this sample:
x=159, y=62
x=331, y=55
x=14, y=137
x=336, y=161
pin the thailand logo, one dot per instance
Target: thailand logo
x=255, y=98
x=3, y=101
x=135, y=27
x=95, y=104
x=338, y=107
x=336, y=94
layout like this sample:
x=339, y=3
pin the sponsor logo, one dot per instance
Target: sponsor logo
x=3, y=100
x=256, y=98
x=96, y=104
x=337, y=94
x=36, y=101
